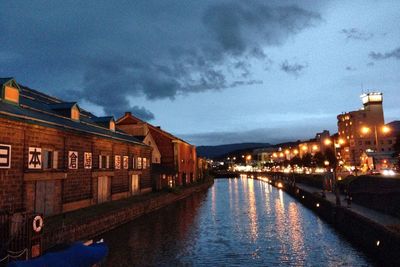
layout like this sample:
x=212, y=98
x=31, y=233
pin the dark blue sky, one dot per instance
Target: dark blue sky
x=212, y=72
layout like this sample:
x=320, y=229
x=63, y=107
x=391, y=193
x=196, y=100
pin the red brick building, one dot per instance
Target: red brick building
x=56, y=157
x=178, y=159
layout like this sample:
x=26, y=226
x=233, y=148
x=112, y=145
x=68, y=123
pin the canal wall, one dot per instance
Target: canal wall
x=105, y=221
x=378, y=241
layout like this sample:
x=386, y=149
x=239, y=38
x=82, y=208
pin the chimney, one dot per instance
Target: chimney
x=128, y=113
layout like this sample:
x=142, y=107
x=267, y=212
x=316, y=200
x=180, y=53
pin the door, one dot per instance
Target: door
x=102, y=189
x=45, y=197
x=135, y=184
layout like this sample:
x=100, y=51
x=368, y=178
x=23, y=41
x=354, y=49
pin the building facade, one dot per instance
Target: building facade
x=178, y=159
x=364, y=131
x=56, y=157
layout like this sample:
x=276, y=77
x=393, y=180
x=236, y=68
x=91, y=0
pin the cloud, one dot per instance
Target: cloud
x=350, y=68
x=356, y=34
x=381, y=56
x=294, y=69
x=110, y=52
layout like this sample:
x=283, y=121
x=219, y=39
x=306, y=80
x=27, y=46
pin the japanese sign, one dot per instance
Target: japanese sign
x=5, y=156
x=117, y=163
x=126, y=162
x=35, y=158
x=87, y=160
x=72, y=160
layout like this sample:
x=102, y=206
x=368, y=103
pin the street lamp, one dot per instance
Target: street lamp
x=329, y=142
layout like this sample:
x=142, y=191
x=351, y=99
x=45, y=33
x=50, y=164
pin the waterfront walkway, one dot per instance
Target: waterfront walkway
x=376, y=216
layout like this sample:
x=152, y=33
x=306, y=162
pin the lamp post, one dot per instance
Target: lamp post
x=328, y=142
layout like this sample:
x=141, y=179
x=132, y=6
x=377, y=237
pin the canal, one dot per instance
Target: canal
x=238, y=222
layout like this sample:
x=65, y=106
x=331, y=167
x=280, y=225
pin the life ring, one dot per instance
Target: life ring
x=37, y=223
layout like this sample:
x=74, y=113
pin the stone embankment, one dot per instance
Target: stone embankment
x=88, y=223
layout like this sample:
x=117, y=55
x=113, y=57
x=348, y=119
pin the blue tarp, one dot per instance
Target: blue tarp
x=77, y=255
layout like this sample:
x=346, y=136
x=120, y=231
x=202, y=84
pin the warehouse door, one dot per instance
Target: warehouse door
x=102, y=189
x=45, y=197
x=135, y=189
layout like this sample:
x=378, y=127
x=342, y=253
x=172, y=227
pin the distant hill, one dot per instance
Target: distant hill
x=218, y=151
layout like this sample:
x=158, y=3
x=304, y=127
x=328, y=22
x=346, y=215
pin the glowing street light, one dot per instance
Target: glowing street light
x=386, y=129
x=365, y=130
x=327, y=142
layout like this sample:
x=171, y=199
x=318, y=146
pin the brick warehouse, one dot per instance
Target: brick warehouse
x=178, y=164
x=56, y=157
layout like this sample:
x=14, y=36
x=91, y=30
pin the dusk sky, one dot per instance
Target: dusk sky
x=211, y=72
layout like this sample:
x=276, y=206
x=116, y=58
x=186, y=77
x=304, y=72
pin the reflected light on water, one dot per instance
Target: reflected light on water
x=252, y=210
x=262, y=227
x=296, y=233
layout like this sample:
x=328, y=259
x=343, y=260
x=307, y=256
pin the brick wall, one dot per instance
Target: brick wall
x=18, y=184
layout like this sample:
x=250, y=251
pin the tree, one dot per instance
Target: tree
x=331, y=157
x=296, y=161
x=396, y=148
x=319, y=159
x=306, y=160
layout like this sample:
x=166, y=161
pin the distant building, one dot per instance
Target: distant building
x=56, y=157
x=315, y=145
x=178, y=159
x=364, y=131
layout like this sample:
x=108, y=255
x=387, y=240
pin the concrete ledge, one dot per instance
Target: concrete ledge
x=98, y=173
x=121, y=195
x=44, y=175
x=77, y=205
x=145, y=190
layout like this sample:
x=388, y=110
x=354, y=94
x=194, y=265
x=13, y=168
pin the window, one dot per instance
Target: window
x=75, y=113
x=11, y=94
x=139, y=162
x=133, y=162
x=50, y=159
x=104, y=162
x=390, y=142
x=144, y=163
x=112, y=125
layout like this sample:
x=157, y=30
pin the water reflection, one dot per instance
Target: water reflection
x=239, y=222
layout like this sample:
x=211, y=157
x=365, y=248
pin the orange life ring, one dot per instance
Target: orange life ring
x=37, y=223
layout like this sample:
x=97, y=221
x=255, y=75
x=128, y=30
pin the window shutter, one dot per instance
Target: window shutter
x=108, y=162
x=55, y=159
x=100, y=163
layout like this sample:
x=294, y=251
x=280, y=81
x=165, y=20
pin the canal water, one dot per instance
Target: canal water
x=238, y=222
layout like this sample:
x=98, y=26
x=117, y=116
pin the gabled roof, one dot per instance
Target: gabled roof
x=5, y=80
x=38, y=108
x=63, y=105
x=128, y=118
x=104, y=119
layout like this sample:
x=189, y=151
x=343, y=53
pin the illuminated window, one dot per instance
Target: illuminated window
x=11, y=94
x=144, y=163
x=139, y=162
x=112, y=125
x=75, y=113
